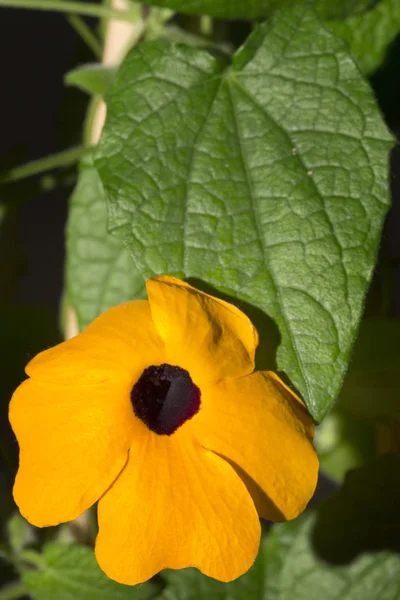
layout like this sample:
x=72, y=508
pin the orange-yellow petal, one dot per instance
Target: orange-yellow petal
x=73, y=444
x=117, y=345
x=260, y=426
x=176, y=505
x=210, y=338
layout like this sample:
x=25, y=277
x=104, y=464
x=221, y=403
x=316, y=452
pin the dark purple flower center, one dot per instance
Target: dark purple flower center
x=164, y=397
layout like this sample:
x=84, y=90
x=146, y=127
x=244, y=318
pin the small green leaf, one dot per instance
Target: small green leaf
x=72, y=573
x=344, y=442
x=371, y=388
x=93, y=79
x=100, y=272
x=362, y=515
x=369, y=35
x=237, y=9
x=305, y=575
x=267, y=180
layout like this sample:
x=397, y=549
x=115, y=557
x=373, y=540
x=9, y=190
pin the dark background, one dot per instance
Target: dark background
x=38, y=116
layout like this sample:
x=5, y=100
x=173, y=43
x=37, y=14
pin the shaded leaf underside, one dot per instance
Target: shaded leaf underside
x=100, y=273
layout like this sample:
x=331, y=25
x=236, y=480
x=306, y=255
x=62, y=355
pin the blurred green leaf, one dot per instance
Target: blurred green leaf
x=362, y=515
x=369, y=35
x=72, y=573
x=276, y=546
x=259, y=583
x=237, y=9
x=371, y=387
x=100, y=272
x=20, y=533
x=267, y=180
x=289, y=567
x=92, y=78
x=5, y=553
x=11, y=591
x=306, y=576
x=344, y=442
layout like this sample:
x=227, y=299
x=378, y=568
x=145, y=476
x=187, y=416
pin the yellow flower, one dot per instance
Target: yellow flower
x=155, y=411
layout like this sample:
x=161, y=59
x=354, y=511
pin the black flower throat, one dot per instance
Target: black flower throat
x=164, y=397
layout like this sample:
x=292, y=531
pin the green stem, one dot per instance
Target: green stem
x=86, y=34
x=54, y=161
x=13, y=590
x=69, y=6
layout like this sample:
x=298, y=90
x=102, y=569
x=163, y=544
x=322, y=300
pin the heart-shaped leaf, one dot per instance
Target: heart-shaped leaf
x=268, y=180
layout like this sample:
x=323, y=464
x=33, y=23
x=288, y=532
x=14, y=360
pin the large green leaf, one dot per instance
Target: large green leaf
x=306, y=576
x=254, y=9
x=370, y=34
x=267, y=180
x=72, y=573
x=100, y=272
